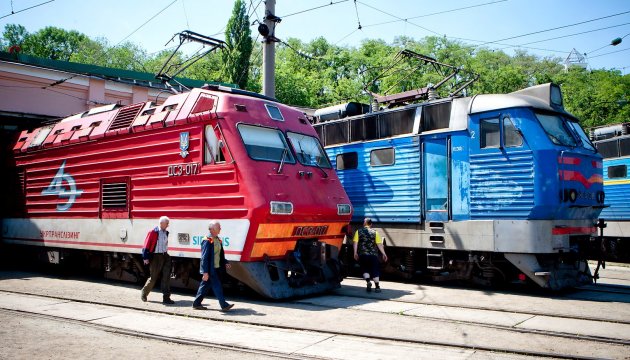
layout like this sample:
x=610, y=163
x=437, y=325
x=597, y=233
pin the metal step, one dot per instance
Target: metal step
x=435, y=261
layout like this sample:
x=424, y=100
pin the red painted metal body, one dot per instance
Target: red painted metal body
x=136, y=149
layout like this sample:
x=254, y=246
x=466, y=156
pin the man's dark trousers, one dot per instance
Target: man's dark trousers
x=217, y=288
x=159, y=264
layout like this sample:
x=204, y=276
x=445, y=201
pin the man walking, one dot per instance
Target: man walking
x=367, y=243
x=212, y=262
x=155, y=254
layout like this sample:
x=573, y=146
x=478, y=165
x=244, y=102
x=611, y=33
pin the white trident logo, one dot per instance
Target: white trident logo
x=56, y=187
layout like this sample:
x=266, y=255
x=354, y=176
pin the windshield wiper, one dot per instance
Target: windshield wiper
x=284, y=156
x=316, y=163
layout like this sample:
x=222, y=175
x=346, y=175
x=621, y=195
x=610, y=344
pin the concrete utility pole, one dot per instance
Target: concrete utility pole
x=269, y=51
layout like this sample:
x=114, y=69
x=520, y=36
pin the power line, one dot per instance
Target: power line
x=58, y=82
x=28, y=8
x=315, y=8
x=438, y=13
x=555, y=28
x=185, y=14
x=565, y=36
x=459, y=38
x=608, y=53
x=399, y=18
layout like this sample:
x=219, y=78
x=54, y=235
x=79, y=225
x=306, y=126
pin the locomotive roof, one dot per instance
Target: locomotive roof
x=111, y=120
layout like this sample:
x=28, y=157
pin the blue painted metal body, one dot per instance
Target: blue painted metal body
x=448, y=175
x=617, y=191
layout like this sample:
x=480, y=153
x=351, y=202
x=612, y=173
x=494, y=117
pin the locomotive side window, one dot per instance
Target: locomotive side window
x=512, y=137
x=308, y=150
x=347, y=161
x=618, y=171
x=265, y=144
x=363, y=129
x=624, y=147
x=382, y=157
x=608, y=149
x=490, y=133
x=336, y=133
x=213, y=152
x=436, y=116
x=397, y=123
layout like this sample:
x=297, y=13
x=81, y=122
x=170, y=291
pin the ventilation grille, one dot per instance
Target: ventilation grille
x=114, y=196
x=125, y=116
x=22, y=179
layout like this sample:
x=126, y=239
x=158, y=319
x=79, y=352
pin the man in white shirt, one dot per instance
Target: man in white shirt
x=155, y=254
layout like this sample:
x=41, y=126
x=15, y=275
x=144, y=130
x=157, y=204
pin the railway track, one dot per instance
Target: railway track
x=584, y=340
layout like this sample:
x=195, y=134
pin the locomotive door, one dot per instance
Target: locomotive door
x=435, y=166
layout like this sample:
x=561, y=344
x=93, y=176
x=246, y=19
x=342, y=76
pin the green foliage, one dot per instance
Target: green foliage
x=238, y=37
x=318, y=73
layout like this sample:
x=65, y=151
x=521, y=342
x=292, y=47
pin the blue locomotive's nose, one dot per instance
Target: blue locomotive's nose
x=581, y=180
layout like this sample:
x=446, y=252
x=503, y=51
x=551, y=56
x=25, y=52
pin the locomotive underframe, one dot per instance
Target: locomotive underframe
x=488, y=251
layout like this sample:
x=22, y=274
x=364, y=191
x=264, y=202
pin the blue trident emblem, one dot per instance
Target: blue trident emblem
x=184, y=142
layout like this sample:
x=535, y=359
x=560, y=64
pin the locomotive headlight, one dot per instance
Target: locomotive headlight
x=281, y=208
x=573, y=195
x=344, y=209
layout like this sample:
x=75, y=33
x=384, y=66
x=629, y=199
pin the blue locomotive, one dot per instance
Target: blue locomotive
x=613, y=143
x=489, y=188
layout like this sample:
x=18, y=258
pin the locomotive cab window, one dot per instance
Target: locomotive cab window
x=308, y=150
x=382, y=157
x=347, y=161
x=490, y=133
x=617, y=171
x=490, y=130
x=265, y=144
x=213, y=146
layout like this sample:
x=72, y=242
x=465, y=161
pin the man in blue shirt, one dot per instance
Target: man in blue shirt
x=212, y=261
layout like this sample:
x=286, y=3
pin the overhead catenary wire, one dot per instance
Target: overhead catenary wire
x=314, y=8
x=565, y=36
x=555, y=28
x=458, y=38
x=608, y=53
x=437, y=13
x=25, y=9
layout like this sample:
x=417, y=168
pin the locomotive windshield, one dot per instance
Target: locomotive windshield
x=557, y=129
x=308, y=150
x=564, y=132
x=586, y=142
x=265, y=144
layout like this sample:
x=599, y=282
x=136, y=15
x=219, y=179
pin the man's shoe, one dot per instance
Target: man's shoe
x=168, y=301
x=369, y=287
x=143, y=298
x=377, y=289
x=199, y=307
x=227, y=308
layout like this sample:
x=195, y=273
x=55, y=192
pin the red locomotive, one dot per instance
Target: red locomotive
x=97, y=181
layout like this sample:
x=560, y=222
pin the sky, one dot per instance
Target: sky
x=495, y=24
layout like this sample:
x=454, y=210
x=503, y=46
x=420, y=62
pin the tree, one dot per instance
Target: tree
x=236, y=56
x=54, y=43
x=13, y=35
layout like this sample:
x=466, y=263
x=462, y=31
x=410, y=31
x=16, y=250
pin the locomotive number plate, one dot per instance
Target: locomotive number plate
x=183, y=169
